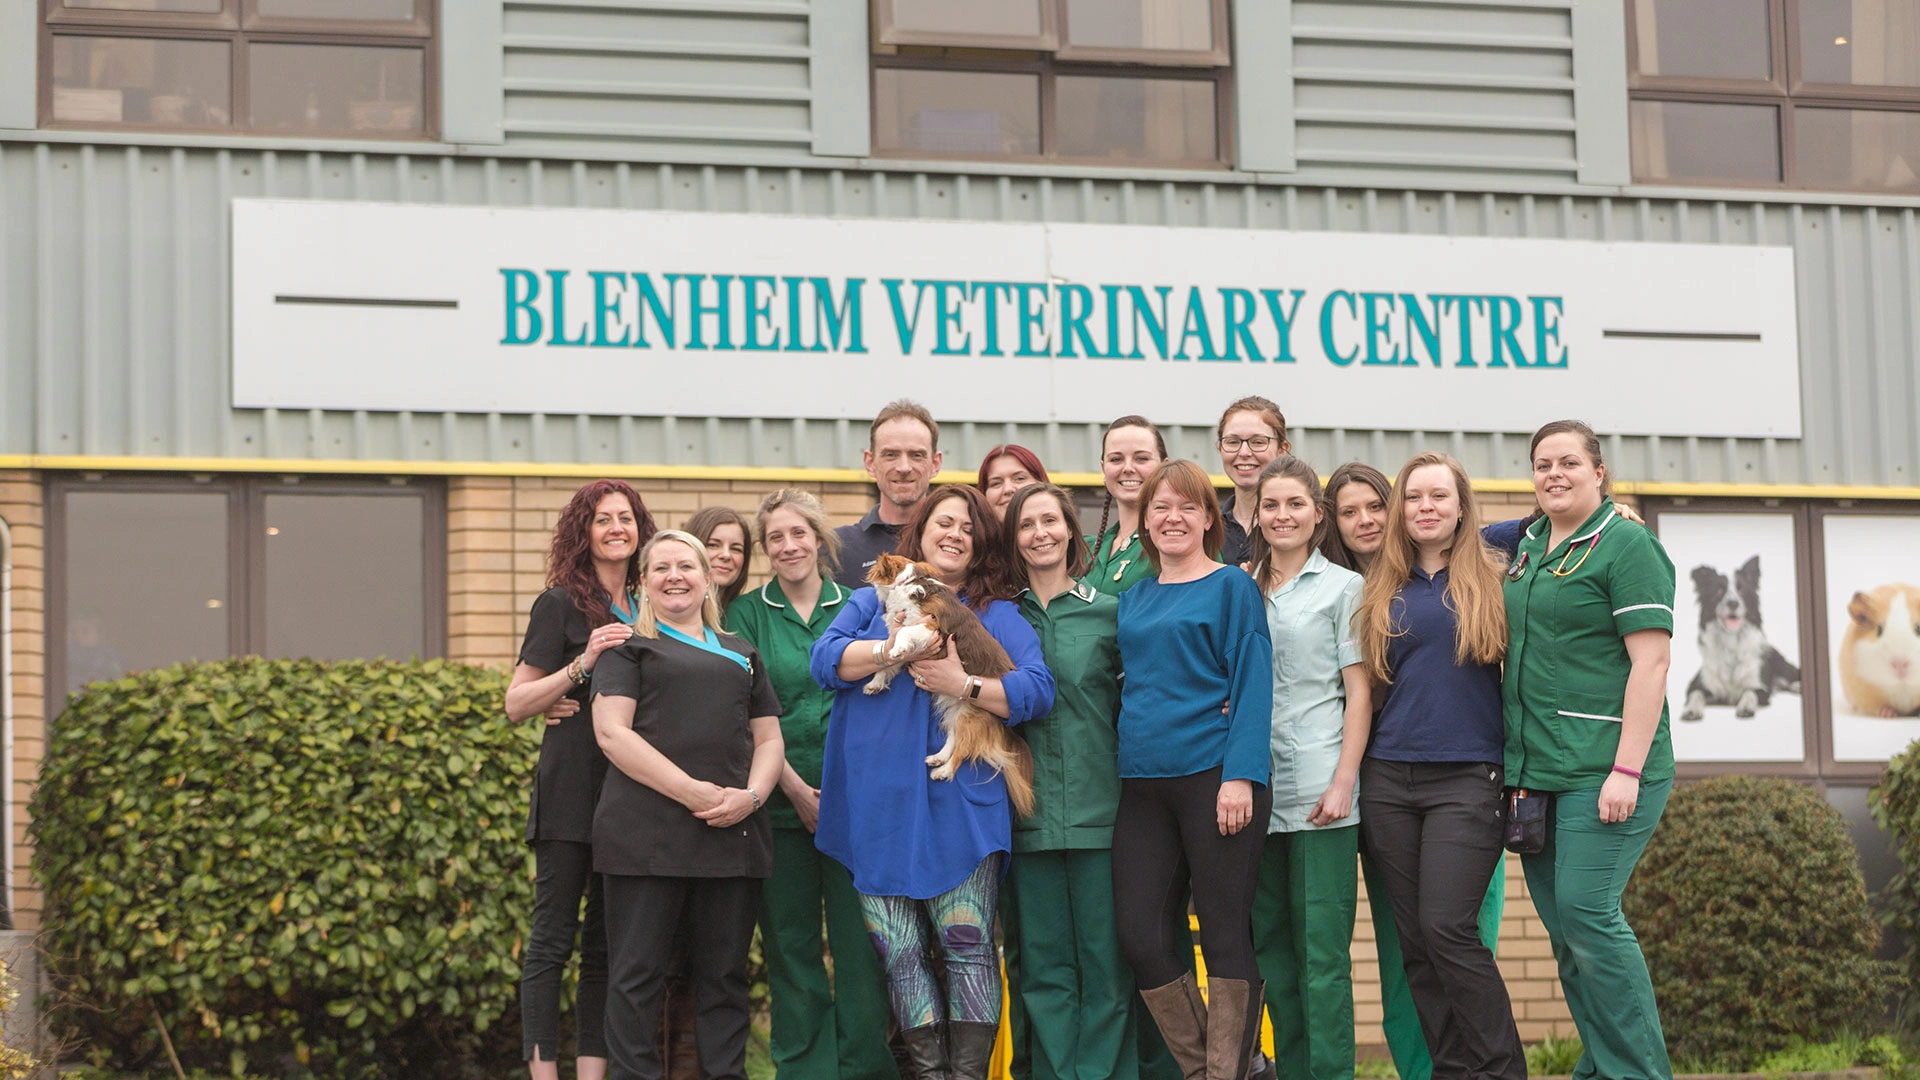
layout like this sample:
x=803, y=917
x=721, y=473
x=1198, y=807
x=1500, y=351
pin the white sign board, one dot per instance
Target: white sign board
x=467, y=309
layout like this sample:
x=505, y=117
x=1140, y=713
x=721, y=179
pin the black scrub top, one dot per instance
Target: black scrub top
x=572, y=768
x=693, y=707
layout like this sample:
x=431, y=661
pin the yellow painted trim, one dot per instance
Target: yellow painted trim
x=781, y=474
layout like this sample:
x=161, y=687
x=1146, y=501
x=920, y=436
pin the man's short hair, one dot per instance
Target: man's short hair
x=904, y=410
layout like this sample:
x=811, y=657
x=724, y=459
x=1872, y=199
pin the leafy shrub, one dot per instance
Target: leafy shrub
x=1554, y=1056
x=1895, y=804
x=289, y=863
x=1842, y=1053
x=1753, y=916
x=15, y=1064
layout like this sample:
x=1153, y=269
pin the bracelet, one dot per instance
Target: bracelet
x=879, y=654
x=756, y=798
x=577, y=672
x=973, y=687
x=1627, y=771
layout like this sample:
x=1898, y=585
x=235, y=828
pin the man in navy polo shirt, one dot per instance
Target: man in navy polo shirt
x=902, y=456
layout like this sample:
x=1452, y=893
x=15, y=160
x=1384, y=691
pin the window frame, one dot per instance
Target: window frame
x=238, y=24
x=1003, y=55
x=1784, y=90
x=246, y=553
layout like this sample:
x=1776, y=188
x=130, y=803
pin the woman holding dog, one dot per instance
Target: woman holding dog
x=925, y=851
x=1589, y=602
x=1433, y=629
x=1321, y=710
x=593, y=574
x=1129, y=452
x=1195, y=717
x=688, y=718
x=1077, y=991
x=823, y=1028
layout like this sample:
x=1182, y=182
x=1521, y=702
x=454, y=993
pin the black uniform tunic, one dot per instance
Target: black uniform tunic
x=567, y=785
x=693, y=707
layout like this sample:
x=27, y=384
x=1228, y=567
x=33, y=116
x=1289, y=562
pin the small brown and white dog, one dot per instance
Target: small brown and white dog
x=925, y=610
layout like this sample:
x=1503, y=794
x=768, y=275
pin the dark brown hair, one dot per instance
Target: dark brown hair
x=1334, y=544
x=1588, y=441
x=1159, y=441
x=1260, y=551
x=1079, y=556
x=987, y=578
x=1189, y=481
x=702, y=524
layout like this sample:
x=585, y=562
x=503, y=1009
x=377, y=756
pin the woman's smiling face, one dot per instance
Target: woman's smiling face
x=947, y=541
x=1130, y=456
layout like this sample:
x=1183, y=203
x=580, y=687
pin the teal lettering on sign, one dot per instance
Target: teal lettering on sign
x=523, y=291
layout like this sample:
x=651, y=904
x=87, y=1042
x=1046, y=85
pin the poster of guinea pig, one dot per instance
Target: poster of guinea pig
x=1873, y=633
x=1733, y=687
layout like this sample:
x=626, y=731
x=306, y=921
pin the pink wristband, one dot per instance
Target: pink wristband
x=1624, y=769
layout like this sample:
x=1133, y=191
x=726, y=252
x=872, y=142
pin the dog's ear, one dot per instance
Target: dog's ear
x=1708, y=582
x=886, y=569
x=1748, y=576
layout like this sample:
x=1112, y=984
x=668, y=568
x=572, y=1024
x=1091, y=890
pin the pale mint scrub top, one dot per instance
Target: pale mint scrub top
x=1310, y=619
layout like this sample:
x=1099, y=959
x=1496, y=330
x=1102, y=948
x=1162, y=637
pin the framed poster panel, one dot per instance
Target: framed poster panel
x=1735, y=689
x=1871, y=622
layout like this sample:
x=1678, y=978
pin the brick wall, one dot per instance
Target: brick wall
x=22, y=508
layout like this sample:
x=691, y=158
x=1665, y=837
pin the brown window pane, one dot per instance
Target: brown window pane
x=115, y=80
x=340, y=10
x=1137, y=119
x=145, y=577
x=998, y=18
x=200, y=6
x=342, y=89
x=1141, y=24
x=1862, y=43
x=1687, y=140
x=346, y=576
x=992, y=113
x=1709, y=39
x=1857, y=148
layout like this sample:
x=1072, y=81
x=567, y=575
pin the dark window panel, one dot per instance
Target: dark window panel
x=1857, y=148
x=1185, y=25
x=120, y=80
x=1170, y=120
x=145, y=579
x=1690, y=140
x=994, y=114
x=345, y=576
x=1860, y=43
x=1709, y=39
x=336, y=89
x=990, y=18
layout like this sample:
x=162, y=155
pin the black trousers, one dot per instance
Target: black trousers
x=1435, y=831
x=1166, y=836
x=563, y=873
x=644, y=915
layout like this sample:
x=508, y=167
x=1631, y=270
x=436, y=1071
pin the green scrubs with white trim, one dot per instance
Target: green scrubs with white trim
x=1077, y=990
x=1569, y=609
x=823, y=1029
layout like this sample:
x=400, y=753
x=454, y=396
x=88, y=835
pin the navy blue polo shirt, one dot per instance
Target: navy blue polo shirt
x=1435, y=710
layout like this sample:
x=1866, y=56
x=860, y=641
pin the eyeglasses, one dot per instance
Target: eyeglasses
x=1258, y=444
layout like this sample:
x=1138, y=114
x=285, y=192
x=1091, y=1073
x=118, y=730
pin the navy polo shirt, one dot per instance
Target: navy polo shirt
x=1435, y=710
x=861, y=545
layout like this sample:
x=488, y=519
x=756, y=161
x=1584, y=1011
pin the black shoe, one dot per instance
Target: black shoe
x=972, y=1048
x=926, y=1049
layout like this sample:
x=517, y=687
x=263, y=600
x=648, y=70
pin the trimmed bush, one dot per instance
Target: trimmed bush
x=289, y=863
x=1753, y=916
x=1895, y=804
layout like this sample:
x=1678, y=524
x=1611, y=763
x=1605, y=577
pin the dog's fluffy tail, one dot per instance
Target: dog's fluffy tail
x=1019, y=777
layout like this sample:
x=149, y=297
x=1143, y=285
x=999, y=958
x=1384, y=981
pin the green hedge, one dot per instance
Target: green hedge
x=1895, y=804
x=1753, y=916
x=289, y=861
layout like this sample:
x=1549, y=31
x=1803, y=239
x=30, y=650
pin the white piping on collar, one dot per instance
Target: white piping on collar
x=839, y=593
x=1611, y=514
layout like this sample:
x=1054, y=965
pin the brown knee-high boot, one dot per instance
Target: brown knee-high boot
x=1182, y=1017
x=1234, y=1007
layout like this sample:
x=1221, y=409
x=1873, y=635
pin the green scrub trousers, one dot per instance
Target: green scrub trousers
x=1078, y=992
x=1303, y=912
x=821, y=1030
x=1400, y=1022
x=1576, y=884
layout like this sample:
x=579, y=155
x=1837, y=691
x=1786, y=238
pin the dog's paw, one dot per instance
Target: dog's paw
x=1691, y=713
x=1748, y=705
x=912, y=641
x=943, y=772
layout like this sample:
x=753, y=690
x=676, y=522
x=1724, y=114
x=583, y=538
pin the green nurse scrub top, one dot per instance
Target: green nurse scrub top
x=768, y=622
x=1568, y=611
x=1076, y=765
x=1116, y=572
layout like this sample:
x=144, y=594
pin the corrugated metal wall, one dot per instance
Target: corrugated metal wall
x=113, y=309
x=1468, y=90
x=716, y=77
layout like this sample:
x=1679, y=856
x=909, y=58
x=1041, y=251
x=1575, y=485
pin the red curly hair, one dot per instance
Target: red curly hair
x=570, y=560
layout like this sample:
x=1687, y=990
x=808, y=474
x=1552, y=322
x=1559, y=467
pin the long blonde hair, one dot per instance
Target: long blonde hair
x=644, y=622
x=1474, y=591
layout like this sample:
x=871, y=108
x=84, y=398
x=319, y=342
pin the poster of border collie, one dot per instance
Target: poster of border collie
x=1734, y=684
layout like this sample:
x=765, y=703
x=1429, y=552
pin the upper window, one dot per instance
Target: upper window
x=1105, y=82
x=1776, y=93
x=331, y=68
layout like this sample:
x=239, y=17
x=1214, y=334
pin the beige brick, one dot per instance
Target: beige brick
x=1529, y=948
x=1368, y=1013
x=1511, y=970
x=1530, y=990
x=465, y=520
x=463, y=561
x=665, y=502
x=1551, y=1009
x=464, y=625
x=461, y=498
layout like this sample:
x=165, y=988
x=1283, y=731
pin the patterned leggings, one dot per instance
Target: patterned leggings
x=963, y=919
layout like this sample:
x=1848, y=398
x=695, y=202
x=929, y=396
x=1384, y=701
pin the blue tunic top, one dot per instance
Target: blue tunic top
x=1435, y=709
x=896, y=830
x=1189, y=649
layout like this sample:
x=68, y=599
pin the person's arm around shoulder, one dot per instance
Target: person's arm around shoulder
x=1336, y=803
x=1249, y=663
x=615, y=697
x=1640, y=588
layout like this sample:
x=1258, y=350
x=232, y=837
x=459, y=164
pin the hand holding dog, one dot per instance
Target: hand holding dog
x=1235, y=806
x=732, y=809
x=940, y=674
x=1618, y=797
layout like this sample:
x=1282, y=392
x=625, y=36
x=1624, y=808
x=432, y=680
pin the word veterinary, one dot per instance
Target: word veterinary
x=754, y=313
